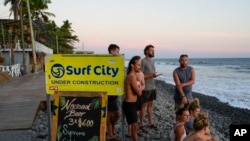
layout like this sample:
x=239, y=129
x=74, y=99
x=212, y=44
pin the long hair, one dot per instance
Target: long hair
x=132, y=61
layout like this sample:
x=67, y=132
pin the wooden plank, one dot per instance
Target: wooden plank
x=20, y=99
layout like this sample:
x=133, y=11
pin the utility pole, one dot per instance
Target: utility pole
x=32, y=38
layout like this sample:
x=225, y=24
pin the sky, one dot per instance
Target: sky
x=199, y=28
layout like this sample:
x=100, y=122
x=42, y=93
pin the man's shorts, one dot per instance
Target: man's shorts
x=129, y=109
x=113, y=105
x=149, y=95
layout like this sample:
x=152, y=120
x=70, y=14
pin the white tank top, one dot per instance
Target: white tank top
x=172, y=135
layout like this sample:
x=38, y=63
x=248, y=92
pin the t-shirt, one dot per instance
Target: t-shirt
x=148, y=67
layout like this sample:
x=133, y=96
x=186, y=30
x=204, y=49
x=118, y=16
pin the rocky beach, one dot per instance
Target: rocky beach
x=221, y=116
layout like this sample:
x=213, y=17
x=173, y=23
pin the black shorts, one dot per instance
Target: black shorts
x=113, y=105
x=148, y=96
x=129, y=109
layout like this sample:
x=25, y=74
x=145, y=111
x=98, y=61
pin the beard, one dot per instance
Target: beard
x=151, y=55
x=183, y=65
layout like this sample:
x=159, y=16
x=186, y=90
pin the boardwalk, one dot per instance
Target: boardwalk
x=20, y=99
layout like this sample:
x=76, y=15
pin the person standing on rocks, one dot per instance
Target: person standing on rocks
x=113, y=113
x=132, y=90
x=149, y=92
x=140, y=83
x=184, y=78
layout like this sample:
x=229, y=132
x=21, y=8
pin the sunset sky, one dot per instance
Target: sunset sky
x=200, y=28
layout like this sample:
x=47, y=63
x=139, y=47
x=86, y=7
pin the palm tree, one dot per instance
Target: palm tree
x=38, y=8
x=14, y=7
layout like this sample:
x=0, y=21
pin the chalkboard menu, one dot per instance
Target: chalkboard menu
x=79, y=116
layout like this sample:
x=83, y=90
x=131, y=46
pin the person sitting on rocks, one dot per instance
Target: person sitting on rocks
x=201, y=129
x=178, y=133
x=194, y=109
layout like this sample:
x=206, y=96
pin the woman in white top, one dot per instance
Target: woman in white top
x=178, y=132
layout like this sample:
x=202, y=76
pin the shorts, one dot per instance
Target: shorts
x=138, y=103
x=129, y=109
x=113, y=105
x=149, y=95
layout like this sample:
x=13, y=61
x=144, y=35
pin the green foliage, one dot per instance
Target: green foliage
x=62, y=35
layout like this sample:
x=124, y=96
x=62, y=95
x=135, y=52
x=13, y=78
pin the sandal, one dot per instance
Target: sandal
x=153, y=126
x=144, y=129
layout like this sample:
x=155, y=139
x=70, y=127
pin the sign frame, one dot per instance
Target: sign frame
x=79, y=94
x=91, y=72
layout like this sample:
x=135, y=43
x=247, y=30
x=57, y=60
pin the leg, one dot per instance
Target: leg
x=109, y=125
x=114, y=119
x=150, y=112
x=142, y=113
x=129, y=130
x=134, y=131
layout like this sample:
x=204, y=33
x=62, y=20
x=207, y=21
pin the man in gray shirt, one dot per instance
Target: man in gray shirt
x=184, y=78
x=149, y=92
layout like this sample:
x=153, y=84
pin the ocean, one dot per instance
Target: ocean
x=227, y=79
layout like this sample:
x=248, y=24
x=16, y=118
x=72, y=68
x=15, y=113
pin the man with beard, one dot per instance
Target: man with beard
x=184, y=78
x=149, y=92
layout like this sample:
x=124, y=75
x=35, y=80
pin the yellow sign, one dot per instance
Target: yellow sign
x=85, y=73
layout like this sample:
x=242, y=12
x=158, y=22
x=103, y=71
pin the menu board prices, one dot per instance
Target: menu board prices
x=79, y=116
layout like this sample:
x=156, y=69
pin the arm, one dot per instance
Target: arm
x=179, y=87
x=191, y=81
x=133, y=83
x=178, y=83
x=146, y=76
x=179, y=131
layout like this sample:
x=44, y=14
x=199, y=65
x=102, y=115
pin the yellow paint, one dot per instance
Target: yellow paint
x=99, y=72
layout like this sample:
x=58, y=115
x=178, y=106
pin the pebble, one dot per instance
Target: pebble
x=220, y=114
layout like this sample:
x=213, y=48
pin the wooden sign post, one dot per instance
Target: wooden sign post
x=79, y=116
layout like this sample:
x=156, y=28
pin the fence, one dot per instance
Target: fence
x=13, y=70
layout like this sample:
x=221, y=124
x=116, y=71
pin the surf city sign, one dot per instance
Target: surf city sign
x=99, y=72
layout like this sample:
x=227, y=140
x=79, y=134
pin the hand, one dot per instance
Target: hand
x=184, y=100
x=156, y=74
